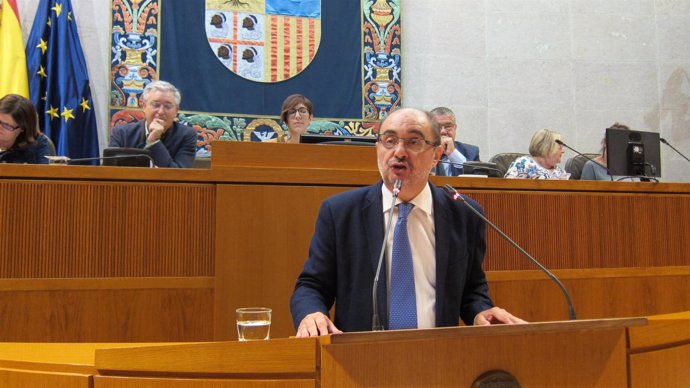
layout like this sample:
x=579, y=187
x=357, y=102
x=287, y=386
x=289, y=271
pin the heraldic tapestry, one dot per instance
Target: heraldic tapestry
x=235, y=61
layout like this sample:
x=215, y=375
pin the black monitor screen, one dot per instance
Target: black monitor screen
x=633, y=153
x=312, y=138
x=129, y=157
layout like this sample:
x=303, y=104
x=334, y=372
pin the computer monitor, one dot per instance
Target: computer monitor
x=127, y=157
x=313, y=138
x=633, y=153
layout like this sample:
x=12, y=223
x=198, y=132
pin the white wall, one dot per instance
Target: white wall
x=510, y=67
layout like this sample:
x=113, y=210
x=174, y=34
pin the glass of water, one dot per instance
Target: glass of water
x=253, y=323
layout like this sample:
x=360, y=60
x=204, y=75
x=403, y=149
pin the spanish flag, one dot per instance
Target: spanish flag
x=13, y=77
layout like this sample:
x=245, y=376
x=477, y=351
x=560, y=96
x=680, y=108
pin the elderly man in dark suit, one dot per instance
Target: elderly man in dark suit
x=455, y=153
x=445, y=244
x=171, y=144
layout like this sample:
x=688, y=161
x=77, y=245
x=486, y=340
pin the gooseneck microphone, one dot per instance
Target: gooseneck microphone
x=586, y=157
x=375, y=320
x=661, y=139
x=68, y=161
x=456, y=196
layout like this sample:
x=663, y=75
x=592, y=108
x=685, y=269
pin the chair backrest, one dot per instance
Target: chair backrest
x=575, y=164
x=51, y=146
x=504, y=160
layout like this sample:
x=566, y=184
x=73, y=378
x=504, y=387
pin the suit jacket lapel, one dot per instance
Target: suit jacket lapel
x=141, y=134
x=443, y=230
x=374, y=228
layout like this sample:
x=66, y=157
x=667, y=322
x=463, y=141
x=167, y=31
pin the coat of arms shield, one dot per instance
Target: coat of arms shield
x=264, y=40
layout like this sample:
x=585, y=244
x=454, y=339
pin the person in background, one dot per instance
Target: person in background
x=297, y=112
x=594, y=171
x=20, y=139
x=455, y=153
x=171, y=144
x=444, y=279
x=545, y=154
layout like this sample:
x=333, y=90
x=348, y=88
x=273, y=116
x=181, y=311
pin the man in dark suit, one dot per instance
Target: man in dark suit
x=455, y=153
x=171, y=144
x=447, y=244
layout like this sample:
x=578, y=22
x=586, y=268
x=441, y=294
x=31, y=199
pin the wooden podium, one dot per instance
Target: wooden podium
x=554, y=354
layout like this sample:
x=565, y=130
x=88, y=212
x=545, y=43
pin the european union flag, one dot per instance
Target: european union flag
x=59, y=82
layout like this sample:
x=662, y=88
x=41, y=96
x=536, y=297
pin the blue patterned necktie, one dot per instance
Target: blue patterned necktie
x=403, y=301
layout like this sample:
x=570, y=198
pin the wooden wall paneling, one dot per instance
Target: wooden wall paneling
x=107, y=310
x=100, y=223
x=110, y=229
x=263, y=236
x=596, y=293
x=587, y=230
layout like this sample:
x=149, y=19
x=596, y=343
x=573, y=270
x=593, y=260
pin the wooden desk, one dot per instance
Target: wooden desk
x=106, y=254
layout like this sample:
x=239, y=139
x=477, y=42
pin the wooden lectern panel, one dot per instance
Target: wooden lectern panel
x=564, y=354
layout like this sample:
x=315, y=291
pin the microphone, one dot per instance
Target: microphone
x=68, y=161
x=375, y=320
x=456, y=196
x=661, y=139
x=586, y=157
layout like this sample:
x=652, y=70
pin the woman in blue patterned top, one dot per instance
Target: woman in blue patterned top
x=545, y=154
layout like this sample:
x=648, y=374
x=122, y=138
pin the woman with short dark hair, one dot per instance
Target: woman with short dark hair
x=296, y=112
x=20, y=139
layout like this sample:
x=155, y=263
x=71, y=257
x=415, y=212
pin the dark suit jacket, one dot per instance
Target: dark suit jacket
x=471, y=152
x=345, y=250
x=176, y=148
x=33, y=154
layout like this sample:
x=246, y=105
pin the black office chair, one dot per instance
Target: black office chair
x=575, y=164
x=503, y=160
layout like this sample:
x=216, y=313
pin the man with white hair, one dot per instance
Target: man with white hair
x=171, y=144
x=455, y=153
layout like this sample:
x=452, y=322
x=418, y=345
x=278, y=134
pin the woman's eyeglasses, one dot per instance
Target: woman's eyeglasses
x=301, y=111
x=9, y=127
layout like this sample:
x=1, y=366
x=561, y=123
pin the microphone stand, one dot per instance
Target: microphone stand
x=661, y=139
x=375, y=320
x=586, y=157
x=456, y=196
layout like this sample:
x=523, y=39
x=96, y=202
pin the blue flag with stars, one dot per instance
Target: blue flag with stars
x=59, y=82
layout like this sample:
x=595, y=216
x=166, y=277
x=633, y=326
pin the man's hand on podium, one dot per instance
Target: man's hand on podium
x=495, y=315
x=316, y=324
